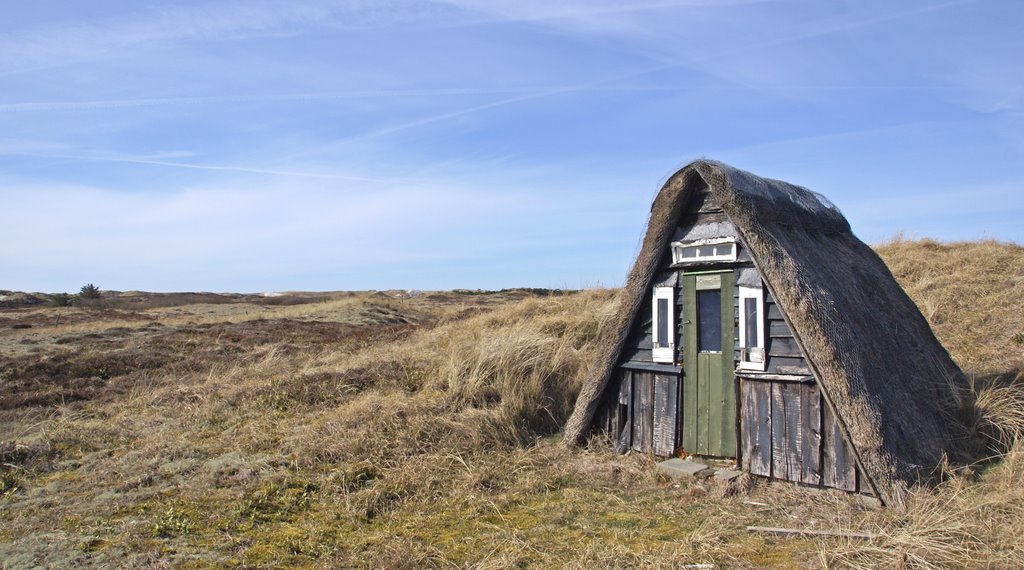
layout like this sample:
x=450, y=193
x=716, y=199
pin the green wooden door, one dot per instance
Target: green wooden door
x=709, y=390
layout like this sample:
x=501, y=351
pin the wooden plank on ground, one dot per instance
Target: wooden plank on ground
x=811, y=532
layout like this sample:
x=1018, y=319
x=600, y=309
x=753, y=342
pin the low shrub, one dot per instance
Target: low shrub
x=61, y=300
x=89, y=291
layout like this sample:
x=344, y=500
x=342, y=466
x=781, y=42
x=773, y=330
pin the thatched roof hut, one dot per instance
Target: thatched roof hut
x=839, y=380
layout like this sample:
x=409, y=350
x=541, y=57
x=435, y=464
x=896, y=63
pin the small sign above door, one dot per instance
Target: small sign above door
x=707, y=282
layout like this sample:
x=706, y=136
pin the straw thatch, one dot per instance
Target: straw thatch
x=891, y=383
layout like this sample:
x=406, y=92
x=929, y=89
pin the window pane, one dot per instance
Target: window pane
x=750, y=316
x=662, y=335
x=709, y=321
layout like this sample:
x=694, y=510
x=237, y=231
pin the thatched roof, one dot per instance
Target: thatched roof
x=890, y=381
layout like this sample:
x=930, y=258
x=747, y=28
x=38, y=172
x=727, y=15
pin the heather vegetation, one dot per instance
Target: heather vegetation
x=365, y=430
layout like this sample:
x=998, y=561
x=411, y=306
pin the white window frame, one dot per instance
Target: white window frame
x=663, y=354
x=719, y=249
x=746, y=362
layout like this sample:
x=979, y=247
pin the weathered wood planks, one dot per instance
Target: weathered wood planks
x=782, y=431
x=666, y=406
x=811, y=423
x=757, y=427
x=784, y=346
x=839, y=467
x=643, y=404
x=787, y=459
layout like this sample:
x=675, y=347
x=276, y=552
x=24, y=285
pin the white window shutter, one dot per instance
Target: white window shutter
x=663, y=325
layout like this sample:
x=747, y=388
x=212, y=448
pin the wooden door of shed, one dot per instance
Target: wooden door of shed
x=709, y=389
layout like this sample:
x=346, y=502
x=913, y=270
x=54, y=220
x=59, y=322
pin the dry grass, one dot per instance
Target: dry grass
x=975, y=519
x=964, y=523
x=970, y=293
x=999, y=415
x=364, y=431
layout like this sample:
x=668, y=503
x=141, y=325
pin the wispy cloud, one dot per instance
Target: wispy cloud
x=61, y=43
x=464, y=111
x=575, y=12
x=34, y=106
x=196, y=166
x=791, y=144
x=713, y=37
x=846, y=24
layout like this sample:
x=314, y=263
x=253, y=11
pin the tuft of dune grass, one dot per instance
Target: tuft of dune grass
x=962, y=523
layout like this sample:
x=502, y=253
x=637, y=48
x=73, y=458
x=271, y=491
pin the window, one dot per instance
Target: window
x=663, y=325
x=752, y=320
x=704, y=250
x=709, y=321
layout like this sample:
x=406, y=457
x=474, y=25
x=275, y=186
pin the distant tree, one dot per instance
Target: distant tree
x=60, y=300
x=89, y=291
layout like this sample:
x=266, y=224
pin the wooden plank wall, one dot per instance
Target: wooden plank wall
x=624, y=419
x=784, y=354
x=839, y=467
x=666, y=410
x=756, y=422
x=796, y=432
x=788, y=432
x=643, y=411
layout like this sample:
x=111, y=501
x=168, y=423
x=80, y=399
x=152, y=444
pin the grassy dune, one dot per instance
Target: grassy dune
x=360, y=430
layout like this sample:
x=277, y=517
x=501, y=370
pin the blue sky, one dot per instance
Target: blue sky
x=326, y=145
